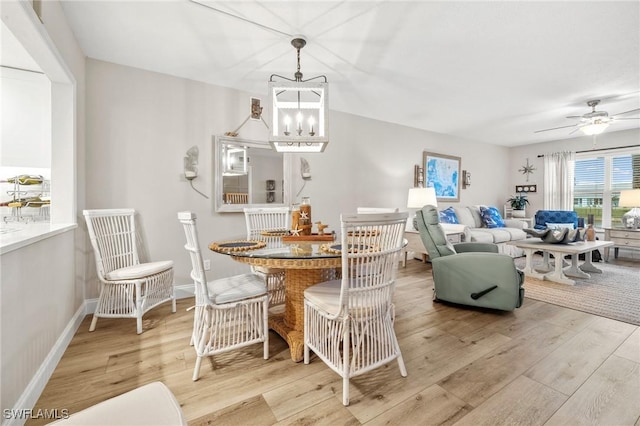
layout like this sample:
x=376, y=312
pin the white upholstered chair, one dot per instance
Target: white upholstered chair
x=129, y=288
x=231, y=312
x=259, y=220
x=348, y=323
x=150, y=404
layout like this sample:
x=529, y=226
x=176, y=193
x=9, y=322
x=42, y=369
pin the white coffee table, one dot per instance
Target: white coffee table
x=559, y=251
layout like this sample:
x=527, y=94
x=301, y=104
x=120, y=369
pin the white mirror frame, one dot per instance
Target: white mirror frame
x=219, y=205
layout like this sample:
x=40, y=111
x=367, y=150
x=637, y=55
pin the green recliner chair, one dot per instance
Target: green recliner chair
x=471, y=274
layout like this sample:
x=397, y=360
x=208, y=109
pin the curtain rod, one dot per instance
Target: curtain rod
x=601, y=149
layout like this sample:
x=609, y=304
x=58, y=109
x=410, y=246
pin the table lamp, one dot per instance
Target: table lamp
x=630, y=198
x=420, y=197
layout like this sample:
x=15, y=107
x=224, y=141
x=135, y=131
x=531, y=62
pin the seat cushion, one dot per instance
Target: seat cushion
x=141, y=270
x=235, y=288
x=326, y=296
x=465, y=217
x=151, y=404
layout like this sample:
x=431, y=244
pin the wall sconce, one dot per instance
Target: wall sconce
x=466, y=179
x=190, y=169
x=418, y=176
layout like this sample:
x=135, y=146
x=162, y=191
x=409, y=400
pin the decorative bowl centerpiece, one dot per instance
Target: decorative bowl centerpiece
x=556, y=236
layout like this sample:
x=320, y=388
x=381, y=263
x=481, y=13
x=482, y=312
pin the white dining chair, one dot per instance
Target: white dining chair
x=231, y=312
x=373, y=210
x=129, y=288
x=348, y=323
x=259, y=222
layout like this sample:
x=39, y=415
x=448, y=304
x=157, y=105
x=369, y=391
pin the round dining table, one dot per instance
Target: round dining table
x=305, y=263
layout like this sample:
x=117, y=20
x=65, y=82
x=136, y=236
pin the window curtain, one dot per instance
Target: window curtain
x=558, y=180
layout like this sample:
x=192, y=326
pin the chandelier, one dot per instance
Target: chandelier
x=300, y=110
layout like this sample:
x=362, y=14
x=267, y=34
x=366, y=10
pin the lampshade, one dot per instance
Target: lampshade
x=594, y=128
x=629, y=198
x=300, y=111
x=420, y=197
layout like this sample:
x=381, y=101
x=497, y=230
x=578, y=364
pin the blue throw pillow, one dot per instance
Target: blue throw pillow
x=448, y=215
x=491, y=217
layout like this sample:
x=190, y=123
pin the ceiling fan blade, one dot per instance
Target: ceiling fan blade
x=574, y=116
x=626, y=112
x=574, y=130
x=555, y=128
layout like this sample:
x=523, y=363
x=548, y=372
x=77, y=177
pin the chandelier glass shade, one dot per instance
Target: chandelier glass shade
x=300, y=111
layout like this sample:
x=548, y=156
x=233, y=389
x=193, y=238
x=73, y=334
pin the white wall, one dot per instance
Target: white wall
x=518, y=157
x=26, y=120
x=140, y=124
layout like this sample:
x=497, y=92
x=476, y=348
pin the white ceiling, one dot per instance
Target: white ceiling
x=490, y=71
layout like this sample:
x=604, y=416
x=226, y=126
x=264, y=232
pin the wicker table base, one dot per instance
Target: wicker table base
x=300, y=274
x=290, y=324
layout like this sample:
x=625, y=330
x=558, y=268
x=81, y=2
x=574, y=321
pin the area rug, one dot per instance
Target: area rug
x=613, y=294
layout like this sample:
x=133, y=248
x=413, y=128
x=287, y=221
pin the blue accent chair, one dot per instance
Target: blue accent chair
x=555, y=216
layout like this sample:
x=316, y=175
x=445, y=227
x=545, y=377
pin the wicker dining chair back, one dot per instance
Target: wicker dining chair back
x=129, y=288
x=260, y=220
x=349, y=322
x=230, y=312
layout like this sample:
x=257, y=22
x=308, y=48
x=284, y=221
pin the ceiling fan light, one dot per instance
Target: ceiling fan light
x=594, y=128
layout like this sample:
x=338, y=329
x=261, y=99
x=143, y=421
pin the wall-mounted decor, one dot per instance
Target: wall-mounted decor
x=466, y=179
x=526, y=188
x=527, y=169
x=442, y=172
x=418, y=176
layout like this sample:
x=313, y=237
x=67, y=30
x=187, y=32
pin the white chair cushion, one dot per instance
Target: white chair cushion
x=235, y=288
x=141, y=270
x=325, y=296
x=151, y=404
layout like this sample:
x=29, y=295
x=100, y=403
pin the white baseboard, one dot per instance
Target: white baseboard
x=37, y=384
x=34, y=389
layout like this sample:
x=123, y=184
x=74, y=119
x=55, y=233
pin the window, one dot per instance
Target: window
x=599, y=178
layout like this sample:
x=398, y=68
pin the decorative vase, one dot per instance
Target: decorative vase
x=518, y=213
x=305, y=216
x=590, y=234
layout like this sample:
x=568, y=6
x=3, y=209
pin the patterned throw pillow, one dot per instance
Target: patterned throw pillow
x=491, y=217
x=448, y=215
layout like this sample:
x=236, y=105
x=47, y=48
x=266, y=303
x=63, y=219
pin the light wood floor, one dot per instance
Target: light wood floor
x=539, y=365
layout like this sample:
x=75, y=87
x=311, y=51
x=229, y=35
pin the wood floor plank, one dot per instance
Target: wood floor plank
x=253, y=411
x=608, y=397
x=630, y=349
x=433, y=406
x=477, y=381
x=567, y=368
x=329, y=412
x=521, y=402
x=383, y=388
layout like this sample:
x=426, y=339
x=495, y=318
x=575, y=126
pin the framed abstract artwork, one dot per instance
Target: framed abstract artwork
x=442, y=172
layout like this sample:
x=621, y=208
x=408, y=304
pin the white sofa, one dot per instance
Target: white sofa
x=474, y=230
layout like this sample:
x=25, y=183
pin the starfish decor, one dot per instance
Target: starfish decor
x=527, y=170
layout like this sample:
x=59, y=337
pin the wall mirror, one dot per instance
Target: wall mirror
x=249, y=173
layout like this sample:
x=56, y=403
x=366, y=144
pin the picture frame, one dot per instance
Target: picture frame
x=443, y=173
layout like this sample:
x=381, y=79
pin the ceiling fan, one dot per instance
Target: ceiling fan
x=594, y=122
